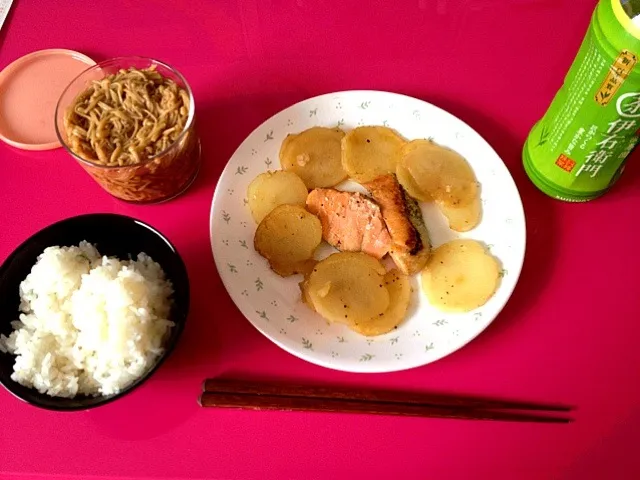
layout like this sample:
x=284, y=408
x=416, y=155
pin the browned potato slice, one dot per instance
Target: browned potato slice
x=410, y=185
x=439, y=172
x=270, y=189
x=348, y=287
x=399, y=296
x=369, y=152
x=462, y=218
x=291, y=268
x=304, y=293
x=308, y=266
x=304, y=286
x=288, y=237
x=314, y=155
x=460, y=276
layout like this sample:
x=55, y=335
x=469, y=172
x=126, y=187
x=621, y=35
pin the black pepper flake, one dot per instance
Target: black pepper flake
x=346, y=316
x=380, y=286
x=395, y=328
x=345, y=306
x=368, y=141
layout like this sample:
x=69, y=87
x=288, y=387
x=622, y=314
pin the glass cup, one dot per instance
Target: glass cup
x=156, y=179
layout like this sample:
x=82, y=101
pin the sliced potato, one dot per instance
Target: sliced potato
x=287, y=237
x=291, y=268
x=460, y=276
x=462, y=218
x=315, y=155
x=399, y=289
x=362, y=259
x=304, y=285
x=410, y=185
x=348, y=287
x=371, y=151
x=445, y=177
x=304, y=293
x=439, y=172
x=307, y=267
x=270, y=189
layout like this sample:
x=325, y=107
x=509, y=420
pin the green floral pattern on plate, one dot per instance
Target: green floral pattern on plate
x=273, y=303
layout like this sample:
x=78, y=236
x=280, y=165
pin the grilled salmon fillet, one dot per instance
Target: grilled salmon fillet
x=389, y=194
x=351, y=222
x=410, y=246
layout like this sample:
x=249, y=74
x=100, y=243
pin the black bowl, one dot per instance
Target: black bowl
x=113, y=235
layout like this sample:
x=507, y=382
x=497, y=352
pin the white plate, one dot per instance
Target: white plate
x=272, y=304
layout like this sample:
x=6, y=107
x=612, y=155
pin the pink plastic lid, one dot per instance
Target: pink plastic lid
x=29, y=91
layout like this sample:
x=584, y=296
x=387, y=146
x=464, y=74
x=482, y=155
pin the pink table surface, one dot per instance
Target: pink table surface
x=569, y=334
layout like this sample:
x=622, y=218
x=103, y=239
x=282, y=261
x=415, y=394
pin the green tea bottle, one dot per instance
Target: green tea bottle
x=578, y=149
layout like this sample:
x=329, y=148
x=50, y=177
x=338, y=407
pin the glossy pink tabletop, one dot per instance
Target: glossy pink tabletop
x=569, y=334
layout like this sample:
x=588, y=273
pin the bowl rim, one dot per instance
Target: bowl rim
x=176, y=334
x=109, y=62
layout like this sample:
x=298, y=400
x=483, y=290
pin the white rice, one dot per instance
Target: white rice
x=89, y=324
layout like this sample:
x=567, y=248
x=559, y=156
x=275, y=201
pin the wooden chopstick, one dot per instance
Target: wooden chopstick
x=263, y=388
x=299, y=404
x=227, y=393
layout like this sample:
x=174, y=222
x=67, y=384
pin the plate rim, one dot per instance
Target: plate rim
x=354, y=369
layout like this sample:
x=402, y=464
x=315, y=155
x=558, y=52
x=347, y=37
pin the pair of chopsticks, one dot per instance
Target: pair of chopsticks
x=227, y=393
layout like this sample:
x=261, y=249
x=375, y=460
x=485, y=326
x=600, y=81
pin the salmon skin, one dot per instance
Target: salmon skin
x=351, y=222
x=396, y=213
x=410, y=248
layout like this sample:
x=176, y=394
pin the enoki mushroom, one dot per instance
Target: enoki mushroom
x=126, y=118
